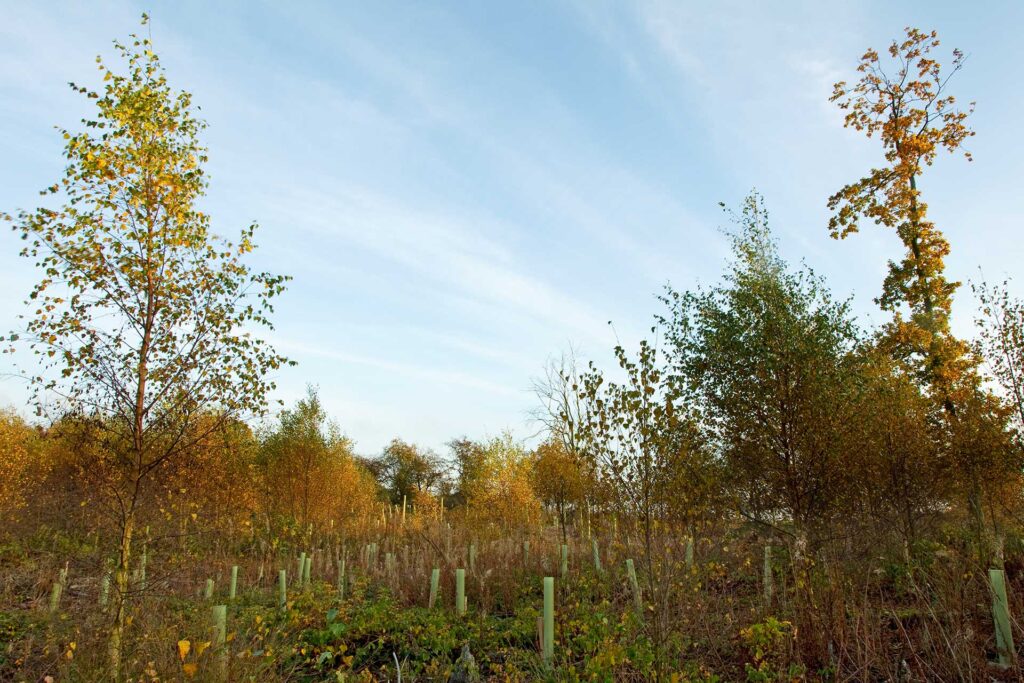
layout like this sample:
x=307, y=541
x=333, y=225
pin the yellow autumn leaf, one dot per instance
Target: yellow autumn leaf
x=201, y=647
x=183, y=649
x=189, y=669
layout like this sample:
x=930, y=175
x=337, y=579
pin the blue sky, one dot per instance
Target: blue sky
x=463, y=189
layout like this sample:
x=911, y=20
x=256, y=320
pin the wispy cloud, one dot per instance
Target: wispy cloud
x=434, y=375
x=676, y=29
x=440, y=248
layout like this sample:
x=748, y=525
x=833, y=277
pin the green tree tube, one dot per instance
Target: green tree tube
x=549, y=619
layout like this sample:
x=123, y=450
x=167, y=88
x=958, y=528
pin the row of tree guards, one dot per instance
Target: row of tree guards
x=545, y=625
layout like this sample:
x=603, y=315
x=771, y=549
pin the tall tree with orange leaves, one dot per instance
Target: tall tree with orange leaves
x=905, y=104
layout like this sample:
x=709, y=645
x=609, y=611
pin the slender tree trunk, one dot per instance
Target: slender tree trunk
x=122, y=576
x=122, y=587
x=974, y=505
x=561, y=521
